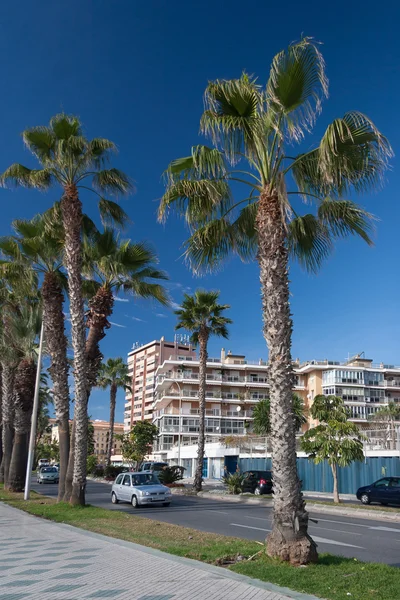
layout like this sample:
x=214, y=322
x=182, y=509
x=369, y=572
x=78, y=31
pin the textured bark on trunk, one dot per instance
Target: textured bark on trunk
x=71, y=208
x=335, y=484
x=1, y=429
x=8, y=418
x=56, y=342
x=25, y=377
x=289, y=539
x=100, y=308
x=198, y=479
x=70, y=469
x=113, y=399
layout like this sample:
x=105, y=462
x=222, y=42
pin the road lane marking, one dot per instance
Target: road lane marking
x=385, y=529
x=317, y=539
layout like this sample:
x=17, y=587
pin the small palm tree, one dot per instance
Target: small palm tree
x=68, y=158
x=202, y=315
x=113, y=374
x=262, y=415
x=34, y=247
x=389, y=414
x=252, y=129
x=115, y=265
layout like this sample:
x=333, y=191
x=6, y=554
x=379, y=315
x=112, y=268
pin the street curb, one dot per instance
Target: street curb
x=221, y=572
x=361, y=513
x=238, y=499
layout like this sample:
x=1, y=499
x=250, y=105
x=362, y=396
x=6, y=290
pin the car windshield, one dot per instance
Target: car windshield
x=265, y=475
x=49, y=470
x=145, y=479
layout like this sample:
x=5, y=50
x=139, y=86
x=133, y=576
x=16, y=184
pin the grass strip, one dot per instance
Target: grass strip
x=333, y=578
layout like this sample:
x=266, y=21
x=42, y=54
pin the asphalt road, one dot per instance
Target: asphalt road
x=364, y=539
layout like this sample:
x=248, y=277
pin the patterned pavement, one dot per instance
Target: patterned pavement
x=48, y=561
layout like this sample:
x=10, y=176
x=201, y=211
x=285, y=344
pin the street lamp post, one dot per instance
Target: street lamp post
x=32, y=438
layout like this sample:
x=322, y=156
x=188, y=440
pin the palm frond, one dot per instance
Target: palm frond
x=196, y=200
x=232, y=116
x=344, y=217
x=296, y=85
x=112, y=181
x=309, y=241
x=40, y=141
x=19, y=175
x=65, y=126
x=112, y=214
x=203, y=163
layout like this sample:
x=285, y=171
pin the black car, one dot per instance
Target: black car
x=385, y=491
x=257, y=482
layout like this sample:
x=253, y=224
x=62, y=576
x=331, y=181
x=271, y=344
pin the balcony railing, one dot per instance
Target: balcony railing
x=392, y=383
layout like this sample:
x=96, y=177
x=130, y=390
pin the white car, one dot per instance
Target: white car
x=140, y=489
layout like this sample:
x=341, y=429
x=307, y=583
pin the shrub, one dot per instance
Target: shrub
x=99, y=471
x=91, y=463
x=234, y=481
x=111, y=471
x=171, y=474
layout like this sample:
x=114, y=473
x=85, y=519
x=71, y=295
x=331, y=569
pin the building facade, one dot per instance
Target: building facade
x=143, y=362
x=101, y=433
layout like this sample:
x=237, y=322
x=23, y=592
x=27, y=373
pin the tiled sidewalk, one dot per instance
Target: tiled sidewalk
x=48, y=561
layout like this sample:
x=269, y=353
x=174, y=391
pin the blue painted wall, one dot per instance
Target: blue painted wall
x=318, y=478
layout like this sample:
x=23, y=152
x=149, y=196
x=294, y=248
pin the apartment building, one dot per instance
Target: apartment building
x=364, y=386
x=101, y=432
x=234, y=386
x=143, y=361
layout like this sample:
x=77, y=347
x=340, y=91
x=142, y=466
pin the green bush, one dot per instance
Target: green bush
x=234, y=481
x=111, y=471
x=170, y=474
x=91, y=464
x=99, y=471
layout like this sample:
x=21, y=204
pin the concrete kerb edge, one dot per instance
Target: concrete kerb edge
x=361, y=513
x=221, y=572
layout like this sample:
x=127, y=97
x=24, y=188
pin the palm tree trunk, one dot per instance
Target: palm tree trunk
x=289, y=539
x=198, y=479
x=71, y=208
x=56, y=342
x=336, y=498
x=113, y=399
x=100, y=308
x=24, y=391
x=1, y=428
x=8, y=418
x=70, y=469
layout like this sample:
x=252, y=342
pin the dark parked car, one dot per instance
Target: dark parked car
x=257, y=482
x=153, y=466
x=385, y=491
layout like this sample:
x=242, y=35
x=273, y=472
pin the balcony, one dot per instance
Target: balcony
x=392, y=383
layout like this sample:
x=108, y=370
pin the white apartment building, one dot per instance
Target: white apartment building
x=165, y=388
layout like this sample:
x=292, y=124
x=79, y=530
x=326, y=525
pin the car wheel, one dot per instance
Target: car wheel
x=114, y=498
x=166, y=503
x=135, y=502
x=40, y=482
x=257, y=491
x=365, y=499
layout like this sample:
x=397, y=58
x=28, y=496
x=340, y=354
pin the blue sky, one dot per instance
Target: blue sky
x=135, y=72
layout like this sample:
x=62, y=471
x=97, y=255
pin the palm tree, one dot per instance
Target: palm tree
x=24, y=332
x=34, y=247
x=252, y=129
x=202, y=315
x=262, y=415
x=113, y=374
x=389, y=414
x=67, y=158
x=115, y=265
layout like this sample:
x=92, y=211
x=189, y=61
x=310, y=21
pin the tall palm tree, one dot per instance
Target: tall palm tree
x=115, y=265
x=34, y=247
x=24, y=330
x=68, y=158
x=113, y=374
x=203, y=316
x=262, y=415
x=253, y=129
